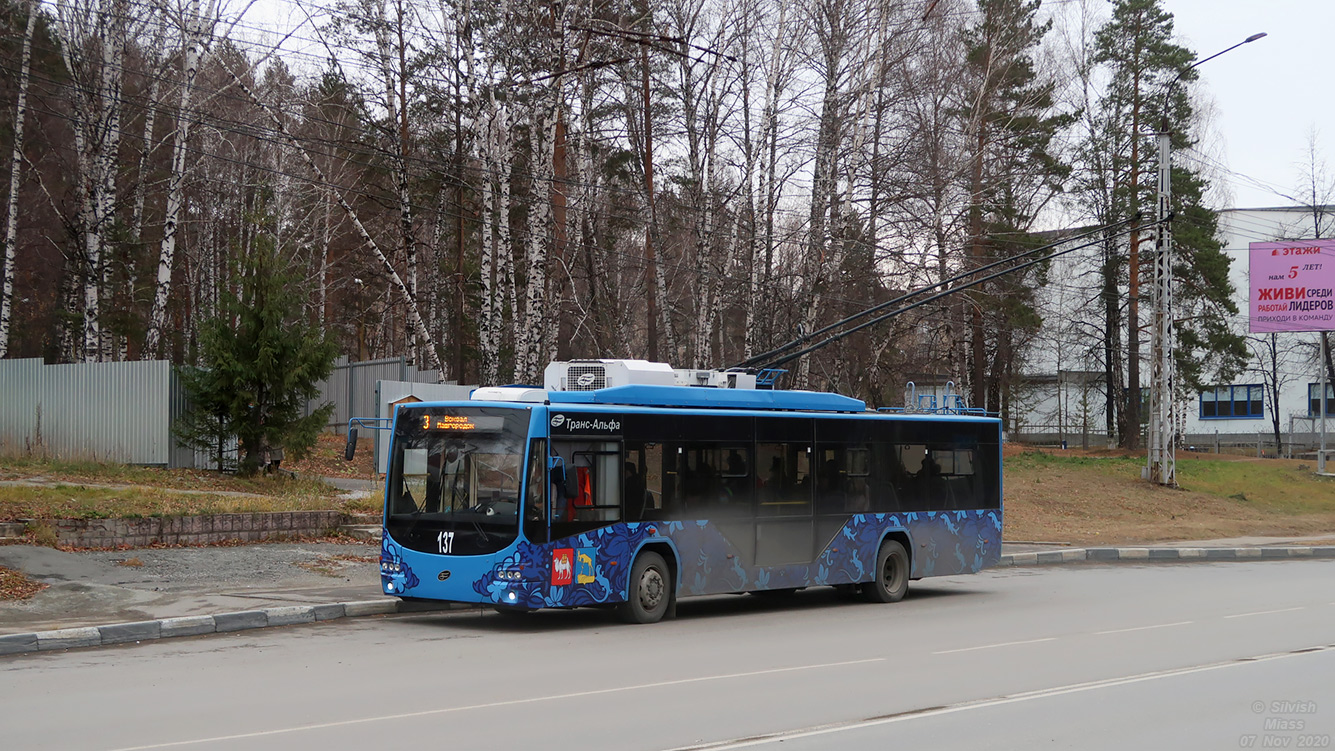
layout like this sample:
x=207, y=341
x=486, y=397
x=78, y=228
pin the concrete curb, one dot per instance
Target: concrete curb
x=1106, y=555
x=194, y=625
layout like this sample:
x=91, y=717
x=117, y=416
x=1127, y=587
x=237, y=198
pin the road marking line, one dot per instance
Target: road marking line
x=990, y=646
x=914, y=714
x=494, y=704
x=1141, y=628
x=1267, y=612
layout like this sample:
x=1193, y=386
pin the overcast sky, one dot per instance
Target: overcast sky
x=1268, y=94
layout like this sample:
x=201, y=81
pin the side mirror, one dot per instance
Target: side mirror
x=351, y=448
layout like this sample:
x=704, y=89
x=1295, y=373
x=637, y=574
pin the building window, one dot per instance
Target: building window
x=1314, y=401
x=1233, y=402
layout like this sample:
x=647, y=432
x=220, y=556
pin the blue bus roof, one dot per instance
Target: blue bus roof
x=691, y=396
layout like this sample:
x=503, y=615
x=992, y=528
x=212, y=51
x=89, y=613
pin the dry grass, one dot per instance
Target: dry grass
x=134, y=562
x=326, y=458
x=43, y=535
x=109, y=473
x=71, y=501
x=36, y=488
x=1101, y=499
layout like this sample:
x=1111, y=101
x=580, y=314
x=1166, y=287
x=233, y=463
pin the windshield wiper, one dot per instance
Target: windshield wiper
x=481, y=531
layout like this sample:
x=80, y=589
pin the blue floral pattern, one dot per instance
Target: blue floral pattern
x=403, y=576
x=941, y=543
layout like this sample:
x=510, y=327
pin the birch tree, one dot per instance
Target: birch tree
x=15, y=175
x=196, y=24
x=94, y=35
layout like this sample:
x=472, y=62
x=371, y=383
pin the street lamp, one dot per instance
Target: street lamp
x=1161, y=465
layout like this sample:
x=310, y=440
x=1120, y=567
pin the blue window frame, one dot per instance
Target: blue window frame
x=1314, y=401
x=1246, y=402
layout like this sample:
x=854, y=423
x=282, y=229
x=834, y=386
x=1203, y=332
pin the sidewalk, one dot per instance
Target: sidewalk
x=108, y=597
x=1224, y=549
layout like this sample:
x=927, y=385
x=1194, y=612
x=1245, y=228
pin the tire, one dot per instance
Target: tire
x=891, y=578
x=650, y=590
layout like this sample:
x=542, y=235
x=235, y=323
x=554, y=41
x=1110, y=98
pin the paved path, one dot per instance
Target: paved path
x=1091, y=656
x=96, y=588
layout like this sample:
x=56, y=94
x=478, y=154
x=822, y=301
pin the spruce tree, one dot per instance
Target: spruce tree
x=1014, y=172
x=261, y=362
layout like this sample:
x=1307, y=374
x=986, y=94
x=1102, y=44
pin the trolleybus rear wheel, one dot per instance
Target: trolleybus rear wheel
x=650, y=590
x=891, y=578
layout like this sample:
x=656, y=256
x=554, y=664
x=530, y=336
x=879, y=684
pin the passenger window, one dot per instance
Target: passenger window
x=785, y=486
x=591, y=495
x=643, y=481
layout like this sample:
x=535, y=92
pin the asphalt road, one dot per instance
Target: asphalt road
x=1209, y=656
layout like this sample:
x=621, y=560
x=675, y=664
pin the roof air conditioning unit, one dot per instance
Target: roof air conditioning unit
x=590, y=375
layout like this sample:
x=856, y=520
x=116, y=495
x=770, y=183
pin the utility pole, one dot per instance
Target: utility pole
x=1161, y=465
x=1321, y=454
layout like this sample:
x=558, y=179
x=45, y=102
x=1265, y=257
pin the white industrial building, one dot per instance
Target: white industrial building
x=1062, y=390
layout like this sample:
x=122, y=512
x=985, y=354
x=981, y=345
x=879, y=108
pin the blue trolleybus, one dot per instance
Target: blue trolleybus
x=625, y=483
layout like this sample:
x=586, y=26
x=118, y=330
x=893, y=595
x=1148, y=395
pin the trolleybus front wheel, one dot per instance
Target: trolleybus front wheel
x=650, y=590
x=891, y=574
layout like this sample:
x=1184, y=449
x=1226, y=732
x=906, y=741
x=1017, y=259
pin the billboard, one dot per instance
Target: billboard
x=1292, y=286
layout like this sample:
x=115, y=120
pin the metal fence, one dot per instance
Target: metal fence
x=351, y=387
x=124, y=411
x=114, y=411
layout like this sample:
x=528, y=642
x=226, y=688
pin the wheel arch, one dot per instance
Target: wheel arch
x=668, y=550
x=900, y=535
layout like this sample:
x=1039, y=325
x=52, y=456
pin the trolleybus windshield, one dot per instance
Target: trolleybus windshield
x=454, y=479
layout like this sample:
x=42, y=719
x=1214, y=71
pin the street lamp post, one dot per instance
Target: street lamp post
x=1161, y=465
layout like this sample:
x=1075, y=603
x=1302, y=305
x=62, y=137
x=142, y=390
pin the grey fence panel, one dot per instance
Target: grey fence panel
x=106, y=411
x=351, y=387
x=124, y=411
x=389, y=392
x=20, y=410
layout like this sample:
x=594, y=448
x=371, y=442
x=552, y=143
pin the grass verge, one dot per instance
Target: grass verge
x=1102, y=500
x=74, y=501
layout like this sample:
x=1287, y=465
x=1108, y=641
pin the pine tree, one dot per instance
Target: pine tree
x=261, y=362
x=1142, y=60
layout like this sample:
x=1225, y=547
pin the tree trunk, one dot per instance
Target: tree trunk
x=15, y=174
x=194, y=32
x=487, y=311
x=539, y=239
